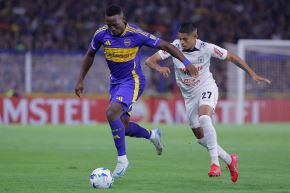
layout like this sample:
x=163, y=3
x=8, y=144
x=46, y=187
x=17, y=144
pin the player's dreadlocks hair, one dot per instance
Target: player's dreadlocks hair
x=114, y=10
x=187, y=27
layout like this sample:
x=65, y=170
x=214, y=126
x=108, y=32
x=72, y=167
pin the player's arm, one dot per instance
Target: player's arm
x=153, y=62
x=166, y=46
x=243, y=65
x=87, y=63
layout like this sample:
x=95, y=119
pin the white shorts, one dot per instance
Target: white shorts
x=208, y=95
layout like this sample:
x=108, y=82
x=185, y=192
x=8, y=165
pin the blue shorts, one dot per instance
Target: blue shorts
x=126, y=93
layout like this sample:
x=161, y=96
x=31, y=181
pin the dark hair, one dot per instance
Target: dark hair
x=187, y=27
x=114, y=10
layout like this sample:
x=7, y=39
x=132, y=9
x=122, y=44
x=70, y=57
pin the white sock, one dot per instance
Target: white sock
x=221, y=152
x=211, y=138
x=122, y=158
x=152, y=136
x=224, y=155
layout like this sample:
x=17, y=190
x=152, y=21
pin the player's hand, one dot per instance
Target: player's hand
x=79, y=88
x=192, y=70
x=260, y=79
x=165, y=71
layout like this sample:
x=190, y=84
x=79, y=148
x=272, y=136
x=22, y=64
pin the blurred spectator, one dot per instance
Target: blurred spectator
x=69, y=26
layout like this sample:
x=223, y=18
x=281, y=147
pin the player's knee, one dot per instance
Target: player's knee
x=111, y=114
x=198, y=132
x=204, y=120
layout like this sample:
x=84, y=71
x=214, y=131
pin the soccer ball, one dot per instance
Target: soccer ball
x=101, y=178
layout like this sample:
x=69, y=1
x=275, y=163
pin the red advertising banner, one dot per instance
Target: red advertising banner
x=54, y=110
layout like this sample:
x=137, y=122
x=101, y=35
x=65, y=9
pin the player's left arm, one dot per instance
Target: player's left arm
x=153, y=62
x=243, y=65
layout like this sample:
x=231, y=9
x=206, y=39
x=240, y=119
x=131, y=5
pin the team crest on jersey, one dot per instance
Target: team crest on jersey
x=200, y=59
x=127, y=42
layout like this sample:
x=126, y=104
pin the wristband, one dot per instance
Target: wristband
x=186, y=62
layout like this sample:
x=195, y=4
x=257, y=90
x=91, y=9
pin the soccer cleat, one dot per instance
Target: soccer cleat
x=120, y=169
x=233, y=167
x=156, y=140
x=214, y=171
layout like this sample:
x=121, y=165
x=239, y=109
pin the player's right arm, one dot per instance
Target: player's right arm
x=87, y=63
x=88, y=60
x=153, y=62
x=166, y=46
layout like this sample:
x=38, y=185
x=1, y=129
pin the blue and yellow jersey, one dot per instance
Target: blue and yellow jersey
x=122, y=52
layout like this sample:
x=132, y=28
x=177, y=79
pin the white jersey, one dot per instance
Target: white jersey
x=200, y=58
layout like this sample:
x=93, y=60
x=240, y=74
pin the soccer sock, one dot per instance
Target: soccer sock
x=224, y=155
x=135, y=130
x=122, y=159
x=118, y=132
x=211, y=138
x=221, y=152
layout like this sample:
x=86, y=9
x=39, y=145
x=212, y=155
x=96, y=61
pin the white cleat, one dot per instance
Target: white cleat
x=156, y=140
x=120, y=169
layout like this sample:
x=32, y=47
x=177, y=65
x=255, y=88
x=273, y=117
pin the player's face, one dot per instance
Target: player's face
x=187, y=40
x=116, y=24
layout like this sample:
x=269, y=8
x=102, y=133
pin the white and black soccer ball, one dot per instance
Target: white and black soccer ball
x=101, y=178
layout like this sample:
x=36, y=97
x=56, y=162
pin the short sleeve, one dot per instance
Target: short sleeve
x=217, y=51
x=163, y=54
x=148, y=39
x=96, y=42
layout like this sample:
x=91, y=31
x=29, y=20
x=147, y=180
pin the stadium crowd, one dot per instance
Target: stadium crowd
x=69, y=25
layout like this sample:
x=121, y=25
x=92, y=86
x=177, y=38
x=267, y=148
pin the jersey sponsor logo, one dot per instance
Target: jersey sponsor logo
x=218, y=52
x=120, y=54
x=184, y=71
x=108, y=43
x=190, y=82
x=202, y=44
x=164, y=52
x=120, y=98
x=127, y=42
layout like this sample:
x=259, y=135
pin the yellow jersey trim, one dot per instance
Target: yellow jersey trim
x=101, y=29
x=126, y=29
x=137, y=84
x=131, y=29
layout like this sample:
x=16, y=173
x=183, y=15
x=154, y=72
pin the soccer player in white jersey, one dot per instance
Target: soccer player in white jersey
x=201, y=93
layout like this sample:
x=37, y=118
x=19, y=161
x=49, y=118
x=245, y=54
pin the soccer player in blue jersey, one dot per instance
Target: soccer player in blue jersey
x=122, y=42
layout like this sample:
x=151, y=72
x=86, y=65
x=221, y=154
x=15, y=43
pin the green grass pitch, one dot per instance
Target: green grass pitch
x=59, y=159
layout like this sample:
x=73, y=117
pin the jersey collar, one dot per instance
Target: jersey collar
x=192, y=49
x=126, y=29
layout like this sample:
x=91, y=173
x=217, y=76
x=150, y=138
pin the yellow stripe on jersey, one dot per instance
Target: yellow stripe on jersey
x=137, y=84
x=101, y=29
x=120, y=54
x=131, y=29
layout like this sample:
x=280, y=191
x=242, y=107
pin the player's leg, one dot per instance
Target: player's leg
x=207, y=101
x=135, y=130
x=198, y=132
x=210, y=136
x=114, y=111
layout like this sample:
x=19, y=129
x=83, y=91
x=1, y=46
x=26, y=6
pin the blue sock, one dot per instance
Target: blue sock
x=135, y=130
x=118, y=132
